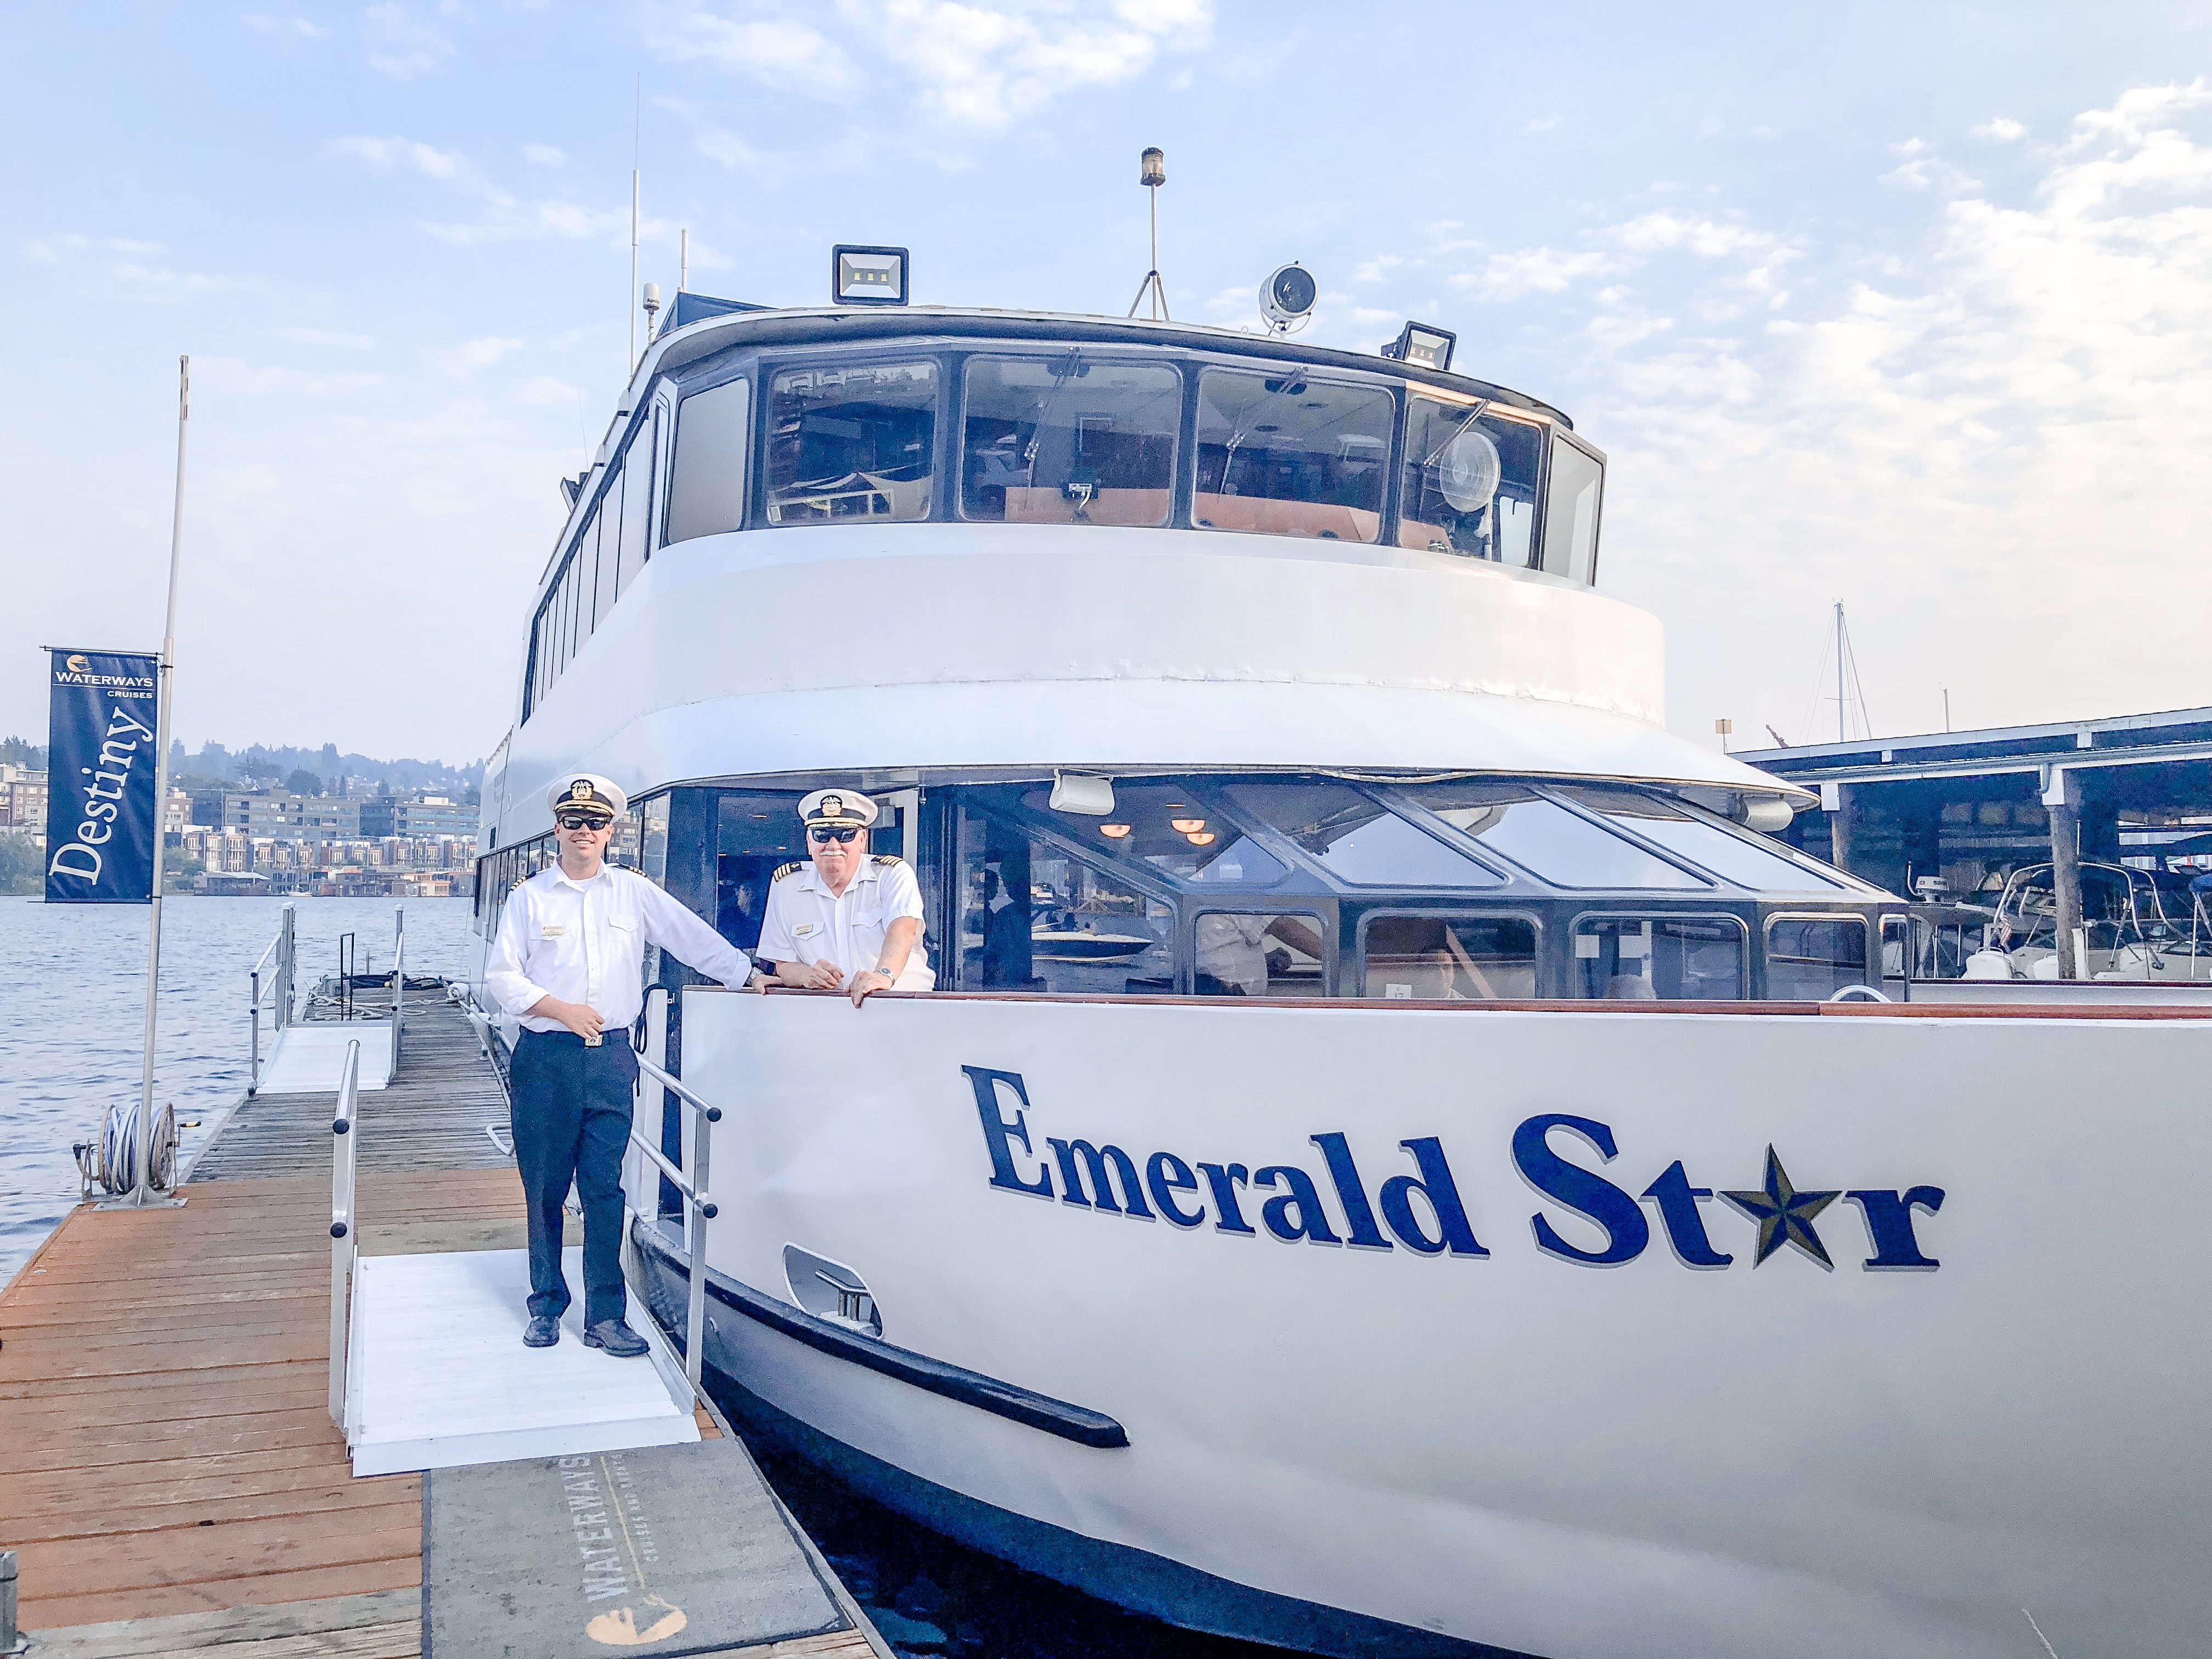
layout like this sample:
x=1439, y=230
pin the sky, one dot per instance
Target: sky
x=1907, y=306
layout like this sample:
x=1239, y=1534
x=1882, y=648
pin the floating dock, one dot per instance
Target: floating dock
x=174, y=1481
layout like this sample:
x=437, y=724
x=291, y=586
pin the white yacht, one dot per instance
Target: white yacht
x=1381, y=1171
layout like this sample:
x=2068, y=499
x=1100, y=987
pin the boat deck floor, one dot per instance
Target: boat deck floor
x=169, y=1472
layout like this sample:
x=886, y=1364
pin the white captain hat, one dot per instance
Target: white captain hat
x=846, y=809
x=587, y=791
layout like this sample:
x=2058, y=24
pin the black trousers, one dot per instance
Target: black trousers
x=572, y=1113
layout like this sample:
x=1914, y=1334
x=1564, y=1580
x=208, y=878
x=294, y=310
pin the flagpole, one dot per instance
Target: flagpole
x=143, y=1195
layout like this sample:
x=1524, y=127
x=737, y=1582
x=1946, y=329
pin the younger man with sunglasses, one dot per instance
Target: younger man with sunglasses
x=569, y=963
x=844, y=921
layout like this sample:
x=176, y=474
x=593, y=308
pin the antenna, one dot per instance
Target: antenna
x=684, y=261
x=633, y=267
x=1153, y=172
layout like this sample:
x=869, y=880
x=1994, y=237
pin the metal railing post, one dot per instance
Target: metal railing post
x=700, y=1208
x=399, y=977
x=342, y=1225
x=10, y=1639
x=285, y=955
x=254, y=1077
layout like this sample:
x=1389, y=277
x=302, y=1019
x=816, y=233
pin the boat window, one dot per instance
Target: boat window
x=1162, y=825
x=1542, y=836
x=850, y=442
x=758, y=833
x=1282, y=455
x=1735, y=858
x=1570, y=510
x=637, y=506
x=1065, y=440
x=1033, y=917
x=1470, y=483
x=1810, y=958
x=1356, y=838
x=707, y=474
x=1667, y=958
x=1259, y=955
x=1427, y=959
x=609, y=552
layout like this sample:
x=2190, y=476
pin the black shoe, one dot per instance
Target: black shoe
x=544, y=1331
x=616, y=1337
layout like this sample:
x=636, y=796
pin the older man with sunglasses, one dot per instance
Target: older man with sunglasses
x=846, y=920
x=568, y=962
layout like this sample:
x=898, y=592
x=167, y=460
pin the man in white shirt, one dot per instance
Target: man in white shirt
x=569, y=963
x=846, y=920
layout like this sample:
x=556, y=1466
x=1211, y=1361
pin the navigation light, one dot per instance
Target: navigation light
x=867, y=275
x=1423, y=347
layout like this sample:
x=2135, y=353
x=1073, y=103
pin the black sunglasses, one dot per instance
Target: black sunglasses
x=578, y=821
x=820, y=835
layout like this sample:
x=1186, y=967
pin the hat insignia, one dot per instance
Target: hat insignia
x=580, y=790
x=833, y=807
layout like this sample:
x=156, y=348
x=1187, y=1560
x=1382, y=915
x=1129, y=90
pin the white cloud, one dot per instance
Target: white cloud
x=1542, y=124
x=401, y=44
x=1530, y=270
x=472, y=355
x=2000, y=130
x=386, y=154
x=503, y=218
x=544, y=156
x=296, y=28
x=319, y=336
x=974, y=63
x=236, y=377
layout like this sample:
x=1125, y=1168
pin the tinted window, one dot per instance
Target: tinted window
x=851, y=442
x=1259, y=955
x=1810, y=960
x=1356, y=838
x=1570, y=512
x=1642, y=958
x=1284, y=456
x=1732, y=857
x=1450, y=959
x=1544, y=837
x=1034, y=918
x=1164, y=827
x=610, y=549
x=1066, y=440
x=706, y=475
x=1470, y=483
x=637, y=508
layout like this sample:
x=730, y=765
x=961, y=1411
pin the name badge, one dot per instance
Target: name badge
x=552, y=930
x=802, y=930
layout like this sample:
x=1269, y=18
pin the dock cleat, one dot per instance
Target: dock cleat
x=616, y=1337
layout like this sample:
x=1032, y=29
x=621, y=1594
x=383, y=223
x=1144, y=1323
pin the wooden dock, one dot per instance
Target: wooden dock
x=169, y=1472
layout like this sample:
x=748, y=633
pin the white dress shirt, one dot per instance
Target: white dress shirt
x=584, y=941
x=806, y=922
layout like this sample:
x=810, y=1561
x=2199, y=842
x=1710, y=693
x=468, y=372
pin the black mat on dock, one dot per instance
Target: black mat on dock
x=667, y=1550
x=431, y=1116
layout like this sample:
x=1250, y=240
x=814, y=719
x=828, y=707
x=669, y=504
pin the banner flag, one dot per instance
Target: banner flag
x=101, y=818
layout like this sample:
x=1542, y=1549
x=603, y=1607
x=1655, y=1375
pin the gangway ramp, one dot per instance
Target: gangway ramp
x=440, y=1377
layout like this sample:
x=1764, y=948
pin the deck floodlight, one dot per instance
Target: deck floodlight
x=867, y=275
x=1287, y=297
x=1423, y=347
x=1080, y=792
x=1154, y=163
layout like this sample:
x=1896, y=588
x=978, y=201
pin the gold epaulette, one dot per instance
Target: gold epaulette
x=783, y=870
x=887, y=858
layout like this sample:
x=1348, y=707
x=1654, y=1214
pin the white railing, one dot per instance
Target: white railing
x=342, y=1224
x=699, y=1208
x=272, y=987
x=399, y=977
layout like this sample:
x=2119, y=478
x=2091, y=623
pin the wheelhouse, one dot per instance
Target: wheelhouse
x=778, y=420
x=1297, y=885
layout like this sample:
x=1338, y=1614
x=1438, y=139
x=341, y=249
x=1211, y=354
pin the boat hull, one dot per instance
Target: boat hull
x=1521, y=1405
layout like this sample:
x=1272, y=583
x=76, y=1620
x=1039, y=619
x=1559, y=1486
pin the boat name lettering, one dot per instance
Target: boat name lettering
x=1421, y=1209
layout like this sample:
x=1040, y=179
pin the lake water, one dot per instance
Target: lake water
x=73, y=1014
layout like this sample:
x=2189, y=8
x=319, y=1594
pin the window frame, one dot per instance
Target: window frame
x=1484, y=407
x=1190, y=907
x=1571, y=991
x=1386, y=912
x=1111, y=355
x=1204, y=363
x=1870, y=973
x=766, y=365
x=666, y=433
x=1563, y=433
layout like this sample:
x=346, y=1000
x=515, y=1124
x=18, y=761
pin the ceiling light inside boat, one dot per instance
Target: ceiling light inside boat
x=867, y=275
x=1423, y=347
x=1202, y=838
x=1114, y=831
x=1186, y=826
x=1082, y=793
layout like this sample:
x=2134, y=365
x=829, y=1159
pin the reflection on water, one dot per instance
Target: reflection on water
x=73, y=1011
x=927, y=1595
